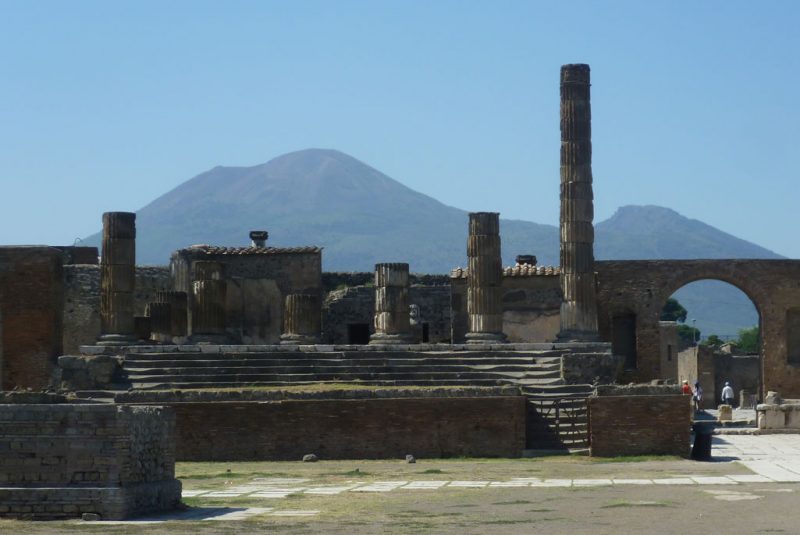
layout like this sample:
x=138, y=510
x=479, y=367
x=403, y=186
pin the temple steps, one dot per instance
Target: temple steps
x=557, y=416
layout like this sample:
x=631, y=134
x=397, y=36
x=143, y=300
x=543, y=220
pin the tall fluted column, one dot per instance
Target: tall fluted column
x=392, y=322
x=301, y=319
x=208, y=309
x=484, y=281
x=117, y=279
x=579, y=303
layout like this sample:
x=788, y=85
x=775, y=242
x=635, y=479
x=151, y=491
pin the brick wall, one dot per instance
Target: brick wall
x=82, y=300
x=72, y=450
x=351, y=429
x=641, y=287
x=531, y=308
x=639, y=425
x=31, y=299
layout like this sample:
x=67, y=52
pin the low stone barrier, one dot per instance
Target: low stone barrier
x=63, y=460
x=647, y=420
x=374, y=428
x=778, y=415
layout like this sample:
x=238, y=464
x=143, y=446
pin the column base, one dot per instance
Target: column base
x=578, y=336
x=117, y=340
x=485, y=338
x=390, y=339
x=298, y=340
x=212, y=339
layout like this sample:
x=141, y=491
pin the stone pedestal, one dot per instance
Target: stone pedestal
x=301, y=319
x=725, y=413
x=392, y=323
x=484, y=282
x=178, y=311
x=160, y=321
x=579, y=305
x=117, y=279
x=209, y=292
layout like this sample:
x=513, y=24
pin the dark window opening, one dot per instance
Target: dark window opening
x=669, y=352
x=623, y=338
x=358, y=333
x=426, y=333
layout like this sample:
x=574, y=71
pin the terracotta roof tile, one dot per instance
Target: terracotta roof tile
x=217, y=250
x=525, y=270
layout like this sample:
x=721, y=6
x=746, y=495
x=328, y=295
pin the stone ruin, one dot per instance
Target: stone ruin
x=167, y=357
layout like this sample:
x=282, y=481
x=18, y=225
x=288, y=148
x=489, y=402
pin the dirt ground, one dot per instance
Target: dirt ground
x=742, y=508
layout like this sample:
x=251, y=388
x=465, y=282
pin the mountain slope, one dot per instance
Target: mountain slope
x=326, y=198
x=361, y=217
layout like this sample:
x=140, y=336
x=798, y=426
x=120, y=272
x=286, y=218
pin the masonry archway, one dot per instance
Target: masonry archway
x=720, y=309
x=643, y=286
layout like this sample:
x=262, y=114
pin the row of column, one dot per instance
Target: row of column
x=302, y=321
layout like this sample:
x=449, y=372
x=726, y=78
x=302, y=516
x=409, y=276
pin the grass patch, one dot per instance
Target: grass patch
x=501, y=521
x=544, y=510
x=433, y=471
x=636, y=458
x=639, y=503
x=513, y=502
x=357, y=473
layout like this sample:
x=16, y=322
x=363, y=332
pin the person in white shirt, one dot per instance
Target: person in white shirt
x=727, y=394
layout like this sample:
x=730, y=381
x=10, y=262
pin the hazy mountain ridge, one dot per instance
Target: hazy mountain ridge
x=361, y=216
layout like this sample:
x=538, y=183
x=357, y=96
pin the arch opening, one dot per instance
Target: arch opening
x=710, y=333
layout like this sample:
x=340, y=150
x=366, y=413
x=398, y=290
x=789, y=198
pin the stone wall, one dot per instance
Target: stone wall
x=639, y=425
x=356, y=305
x=64, y=460
x=531, y=308
x=641, y=287
x=257, y=285
x=31, y=300
x=351, y=429
x=339, y=280
x=82, y=300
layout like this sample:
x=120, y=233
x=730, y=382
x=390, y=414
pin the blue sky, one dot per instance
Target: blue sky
x=107, y=105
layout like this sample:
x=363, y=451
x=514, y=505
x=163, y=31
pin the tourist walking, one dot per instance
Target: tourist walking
x=686, y=389
x=727, y=394
x=698, y=396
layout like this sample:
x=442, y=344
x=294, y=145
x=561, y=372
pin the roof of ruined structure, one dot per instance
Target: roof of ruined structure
x=217, y=250
x=524, y=270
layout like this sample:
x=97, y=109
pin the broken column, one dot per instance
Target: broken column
x=484, y=280
x=301, y=319
x=208, y=308
x=117, y=279
x=160, y=321
x=178, y=311
x=579, y=302
x=392, y=323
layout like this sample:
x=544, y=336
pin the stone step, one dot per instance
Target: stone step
x=344, y=358
x=177, y=385
x=245, y=377
x=532, y=378
x=530, y=369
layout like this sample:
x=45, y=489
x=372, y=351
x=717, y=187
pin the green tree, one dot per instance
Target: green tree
x=673, y=311
x=688, y=335
x=713, y=341
x=749, y=340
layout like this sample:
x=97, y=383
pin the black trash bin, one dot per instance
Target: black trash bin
x=703, y=431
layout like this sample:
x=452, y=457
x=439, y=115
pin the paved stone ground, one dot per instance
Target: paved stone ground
x=772, y=459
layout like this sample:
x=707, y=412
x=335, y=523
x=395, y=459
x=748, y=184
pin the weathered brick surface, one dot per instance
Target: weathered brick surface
x=351, y=429
x=530, y=308
x=639, y=425
x=64, y=460
x=31, y=299
x=642, y=287
x=82, y=300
